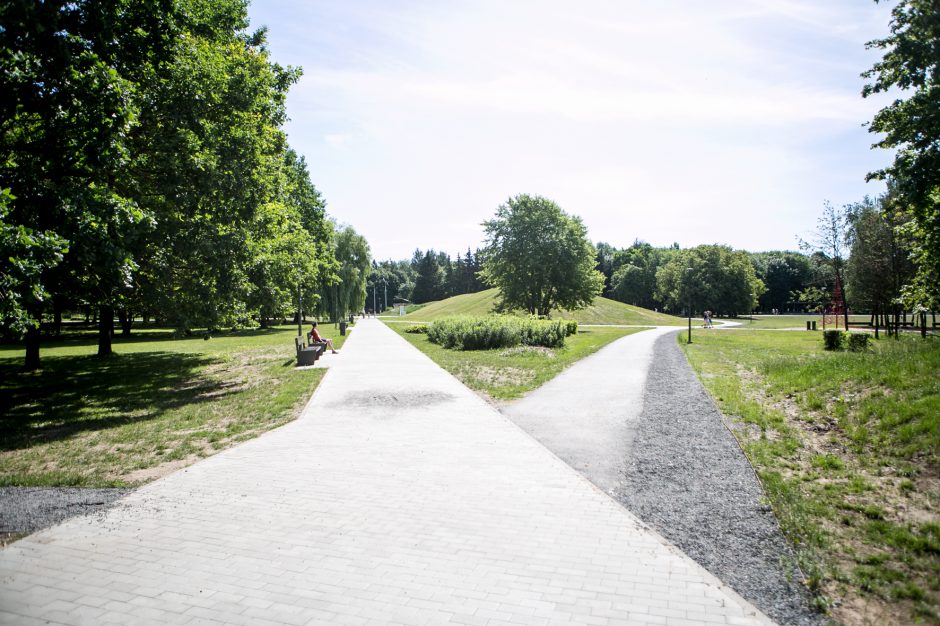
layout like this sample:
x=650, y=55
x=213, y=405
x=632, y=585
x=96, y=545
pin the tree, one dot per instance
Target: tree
x=539, y=257
x=711, y=277
x=345, y=291
x=782, y=273
x=879, y=264
x=209, y=156
x=605, y=263
x=26, y=255
x=430, y=279
x=911, y=126
x=634, y=277
x=829, y=241
x=68, y=72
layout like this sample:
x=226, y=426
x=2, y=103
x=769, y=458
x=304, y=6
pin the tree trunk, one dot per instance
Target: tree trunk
x=876, y=320
x=923, y=325
x=32, y=348
x=127, y=320
x=105, y=329
x=56, y=317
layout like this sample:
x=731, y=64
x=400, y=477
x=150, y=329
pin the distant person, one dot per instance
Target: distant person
x=314, y=337
x=708, y=319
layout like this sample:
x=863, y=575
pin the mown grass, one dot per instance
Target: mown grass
x=602, y=311
x=761, y=322
x=847, y=446
x=506, y=374
x=157, y=404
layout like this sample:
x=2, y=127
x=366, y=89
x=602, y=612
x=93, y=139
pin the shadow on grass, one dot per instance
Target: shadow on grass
x=73, y=394
x=89, y=338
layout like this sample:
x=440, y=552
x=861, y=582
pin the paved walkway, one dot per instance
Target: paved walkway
x=398, y=497
x=587, y=414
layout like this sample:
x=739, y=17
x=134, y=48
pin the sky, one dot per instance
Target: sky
x=689, y=122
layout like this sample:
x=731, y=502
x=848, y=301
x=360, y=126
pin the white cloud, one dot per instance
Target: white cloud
x=650, y=120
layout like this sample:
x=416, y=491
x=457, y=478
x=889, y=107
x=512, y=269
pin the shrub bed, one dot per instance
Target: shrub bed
x=832, y=339
x=857, y=342
x=498, y=331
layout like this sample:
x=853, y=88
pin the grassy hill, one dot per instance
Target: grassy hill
x=603, y=311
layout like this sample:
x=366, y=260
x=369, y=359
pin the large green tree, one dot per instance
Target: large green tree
x=709, y=277
x=911, y=126
x=634, y=276
x=68, y=73
x=782, y=273
x=879, y=263
x=344, y=292
x=26, y=254
x=539, y=257
x=430, y=279
x=210, y=155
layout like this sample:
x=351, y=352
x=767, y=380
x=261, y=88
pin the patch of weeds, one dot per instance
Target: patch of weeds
x=827, y=461
x=868, y=510
x=848, y=450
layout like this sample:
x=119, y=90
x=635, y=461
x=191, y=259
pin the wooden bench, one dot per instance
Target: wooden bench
x=308, y=355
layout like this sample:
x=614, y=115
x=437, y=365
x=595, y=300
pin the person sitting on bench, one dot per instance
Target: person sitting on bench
x=314, y=336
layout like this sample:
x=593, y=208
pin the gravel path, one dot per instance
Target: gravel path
x=688, y=479
x=25, y=510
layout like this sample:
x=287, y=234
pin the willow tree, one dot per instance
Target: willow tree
x=344, y=291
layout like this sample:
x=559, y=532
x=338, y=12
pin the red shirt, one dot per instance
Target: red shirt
x=314, y=335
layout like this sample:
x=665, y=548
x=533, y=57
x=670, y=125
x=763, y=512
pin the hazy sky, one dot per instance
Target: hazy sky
x=727, y=121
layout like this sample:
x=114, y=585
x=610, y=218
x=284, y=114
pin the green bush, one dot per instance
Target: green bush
x=417, y=330
x=496, y=331
x=858, y=342
x=832, y=339
x=571, y=327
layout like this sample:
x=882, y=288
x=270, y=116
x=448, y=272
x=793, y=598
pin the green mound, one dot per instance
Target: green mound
x=603, y=311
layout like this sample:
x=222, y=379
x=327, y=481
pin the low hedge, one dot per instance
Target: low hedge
x=838, y=340
x=498, y=331
x=832, y=339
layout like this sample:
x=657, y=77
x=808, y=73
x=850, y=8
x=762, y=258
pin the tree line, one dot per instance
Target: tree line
x=429, y=275
x=146, y=173
x=862, y=248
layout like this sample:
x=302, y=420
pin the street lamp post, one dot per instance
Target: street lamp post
x=300, y=306
x=688, y=281
x=385, y=293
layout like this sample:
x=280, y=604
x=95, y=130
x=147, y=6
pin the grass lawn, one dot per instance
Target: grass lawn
x=603, y=311
x=847, y=446
x=759, y=322
x=157, y=404
x=508, y=373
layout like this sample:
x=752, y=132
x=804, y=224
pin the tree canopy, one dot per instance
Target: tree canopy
x=539, y=257
x=146, y=170
x=911, y=126
x=710, y=277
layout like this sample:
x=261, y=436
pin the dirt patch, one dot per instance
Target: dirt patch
x=148, y=474
x=856, y=611
x=500, y=376
x=539, y=350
